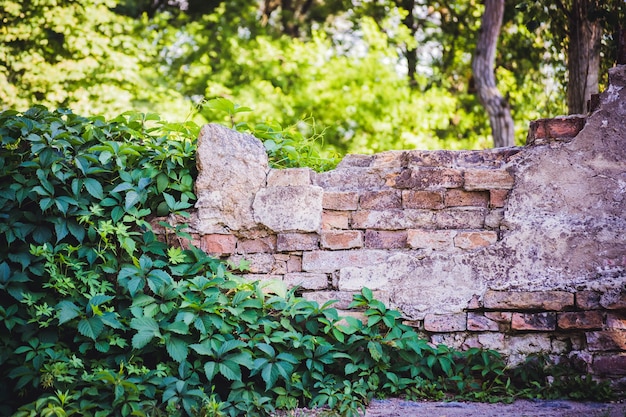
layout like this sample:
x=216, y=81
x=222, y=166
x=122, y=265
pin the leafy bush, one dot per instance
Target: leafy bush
x=103, y=319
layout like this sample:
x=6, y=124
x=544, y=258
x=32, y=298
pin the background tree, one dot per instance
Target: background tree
x=483, y=69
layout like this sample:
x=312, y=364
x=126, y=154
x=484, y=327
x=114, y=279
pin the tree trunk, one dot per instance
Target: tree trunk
x=411, y=52
x=583, y=63
x=483, y=68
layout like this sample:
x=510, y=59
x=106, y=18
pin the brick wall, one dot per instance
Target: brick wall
x=522, y=250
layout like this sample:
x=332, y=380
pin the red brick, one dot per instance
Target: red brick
x=498, y=198
x=588, y=300
x=218, y=244
x=460, y=218
x=479, y=323
x=461, y=198
x=422, y=199
x=385, y=239
x=525, y=300
x=335, y=220
x=500, y=316
x=487, y=180
x=609, y=366
x=431, y=239
x=580, y=320
x=545, y=130
x=543, y=321
x=264, y=244
x=440, y=323
x=475, y=240
x=608, y=340
x=380, y=200
x=616, y=321
x=297, y=241
x=424, y=178
x=341, y=239
x=340, y=200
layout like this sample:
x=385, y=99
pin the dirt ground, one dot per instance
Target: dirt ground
x=520, y=408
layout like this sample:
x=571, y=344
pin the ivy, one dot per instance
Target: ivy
x=102, y=318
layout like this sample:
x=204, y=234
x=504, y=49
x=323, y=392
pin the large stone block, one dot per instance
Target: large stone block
x=232, y=167
x=527, y=300
x=289, y=209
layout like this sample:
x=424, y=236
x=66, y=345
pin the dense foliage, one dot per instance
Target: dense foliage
x=101, y=318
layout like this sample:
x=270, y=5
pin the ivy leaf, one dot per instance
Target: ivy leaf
x=66, y=311
x=94, y=188
x=176, y=348
x=147, y=328
x=91, y=327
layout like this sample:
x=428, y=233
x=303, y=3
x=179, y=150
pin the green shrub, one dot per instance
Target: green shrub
x=100, y=318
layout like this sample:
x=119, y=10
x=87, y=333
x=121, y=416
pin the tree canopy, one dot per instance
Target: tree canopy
x=374, y=75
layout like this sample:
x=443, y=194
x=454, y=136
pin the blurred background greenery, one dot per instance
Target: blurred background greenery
x=370, y=74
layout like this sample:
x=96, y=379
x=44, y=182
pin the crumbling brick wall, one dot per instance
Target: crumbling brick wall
x=522, y=250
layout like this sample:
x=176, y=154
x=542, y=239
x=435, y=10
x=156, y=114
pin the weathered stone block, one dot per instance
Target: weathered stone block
x=355, y=160
x=498, y=198
x=389, y=159
x=424, y=178
x=335, y=220
x=487, y=180
x=486, y=158
x=289, y=177
x=460, y=198
x=412, y=199
x=226, y=190
x=294, y=263
x=588, y=300
x=616, y=321
x=526, y=300
x=431, y=239
x=340, y=200
x=289, y=209
x=260, y=263
x=341, y=239
x=380, y=200
x=545, y=321
x=289, y=242
x=215, y=244
x=440, y=323
x=607, y=340
x=614, y=299
x=503, y=317
x=471, y=240
x=350, y=179
x=262, y=244
x=580, y=320
x=460, y=218
x=329, y=261
x=307, y=281
x=440, y=158
x=392, y=219
x=385, y=239
x=479, y=323
x=610, y=366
